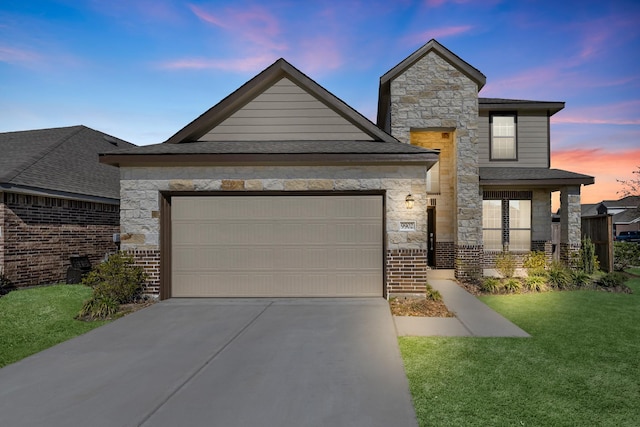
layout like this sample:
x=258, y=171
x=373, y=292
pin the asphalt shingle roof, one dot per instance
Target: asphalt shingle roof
x=60, y=159
x=277, y=147
x=530, y=174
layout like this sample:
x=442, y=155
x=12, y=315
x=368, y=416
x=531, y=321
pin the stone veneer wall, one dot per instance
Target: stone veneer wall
x=41, y=233
x=570, y=223
x=432, y=94
x=140, y=212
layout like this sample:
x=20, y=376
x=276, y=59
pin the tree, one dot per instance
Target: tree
x=632, y=185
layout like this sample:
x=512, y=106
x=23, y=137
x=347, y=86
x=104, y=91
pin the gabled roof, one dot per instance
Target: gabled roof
x=531, y=177
x=628, y=216
x=188, y=146
x=623, y=203
x=502, y=104
x=432, y=45
x=254, y=87
x=59, y=161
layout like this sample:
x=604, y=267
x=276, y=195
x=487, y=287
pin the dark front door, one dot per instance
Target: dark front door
x=431, y=236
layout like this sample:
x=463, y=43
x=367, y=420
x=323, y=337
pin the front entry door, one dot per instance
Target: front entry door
x=431, y=236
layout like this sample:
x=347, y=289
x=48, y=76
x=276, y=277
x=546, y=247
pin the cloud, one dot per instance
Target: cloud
x=247, y=64
x=622, y=113
x=16, y=56
x=438, y=33
x=605, y=165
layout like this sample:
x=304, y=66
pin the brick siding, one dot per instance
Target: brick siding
x=406, y=271
x=445, y=255
x=41, y=233
x=149, y=260
x=469, y=261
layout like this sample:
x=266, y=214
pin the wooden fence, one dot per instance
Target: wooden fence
x=599, y=229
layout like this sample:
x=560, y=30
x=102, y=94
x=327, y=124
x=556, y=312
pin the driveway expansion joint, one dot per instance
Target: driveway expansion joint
x=204, y=365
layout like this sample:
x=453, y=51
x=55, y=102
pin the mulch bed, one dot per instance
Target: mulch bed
x=419, y=307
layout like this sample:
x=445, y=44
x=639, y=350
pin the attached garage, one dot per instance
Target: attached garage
x=277, y=246
x=279, y=190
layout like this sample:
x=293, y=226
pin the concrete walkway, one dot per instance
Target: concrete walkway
x=473, y=318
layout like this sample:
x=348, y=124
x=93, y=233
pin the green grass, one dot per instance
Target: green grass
x=34, y=319
x=581, y=368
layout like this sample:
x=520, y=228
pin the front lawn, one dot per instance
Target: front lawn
x=581, y=367
x=34, y=319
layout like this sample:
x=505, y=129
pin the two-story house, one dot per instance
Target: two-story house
x=282, y=189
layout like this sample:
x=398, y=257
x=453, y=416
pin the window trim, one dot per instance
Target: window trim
x=513, y=114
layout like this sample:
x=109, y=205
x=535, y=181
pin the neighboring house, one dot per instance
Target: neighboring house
x=56, y=201
x=625, y=212
x=281, y=189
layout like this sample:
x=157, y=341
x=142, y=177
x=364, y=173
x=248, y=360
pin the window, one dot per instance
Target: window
x=506, y=224
x=433, y=179
x=503, y=137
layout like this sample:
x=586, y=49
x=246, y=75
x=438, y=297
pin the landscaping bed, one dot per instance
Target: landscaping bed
x=421, y=307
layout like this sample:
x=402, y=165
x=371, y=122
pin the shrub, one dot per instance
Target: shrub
x=506, y=264
x=491, y=285
x=612, y=280
x=117, y=279
x=536, y=283
x=559, y=276
x=432, y=294
x=580, y=278
x=625, y=255
x=539, y=272
x=98, y=307
x=512, y=285
x=6, y=285
x=536, y=260
x=588, y=258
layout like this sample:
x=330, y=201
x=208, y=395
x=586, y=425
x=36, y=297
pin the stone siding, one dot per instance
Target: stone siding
x=41, y=233
x=432, y=94
x=140, y=189
x=570, y=223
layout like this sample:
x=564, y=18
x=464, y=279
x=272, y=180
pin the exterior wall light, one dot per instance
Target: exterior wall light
x=408, y=201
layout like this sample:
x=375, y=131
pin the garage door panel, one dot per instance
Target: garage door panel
x=277, y=246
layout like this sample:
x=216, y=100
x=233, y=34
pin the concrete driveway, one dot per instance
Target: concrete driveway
x=220, y=362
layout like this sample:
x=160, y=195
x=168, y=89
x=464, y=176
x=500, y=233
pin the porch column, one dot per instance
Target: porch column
x=570, y=223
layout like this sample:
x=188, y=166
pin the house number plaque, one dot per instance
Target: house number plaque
x=407, y=226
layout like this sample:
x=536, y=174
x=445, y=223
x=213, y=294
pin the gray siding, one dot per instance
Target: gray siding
x=533, y=141
x=285, y=112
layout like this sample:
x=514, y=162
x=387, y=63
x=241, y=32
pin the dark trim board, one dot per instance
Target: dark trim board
x=165, y=224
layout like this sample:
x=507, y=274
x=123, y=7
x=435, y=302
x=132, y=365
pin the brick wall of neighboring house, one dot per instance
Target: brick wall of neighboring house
x=41, y=233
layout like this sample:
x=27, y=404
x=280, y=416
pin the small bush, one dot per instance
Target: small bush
x=559, y=276
x=512, y=285
x=538, y=272
x=491, y=285
x=625, y=255
x=580, y=278
x=6, y=285
x=612, y=280
x=536, y=260
x=99, y=307
x=506, y=264
x=117, y=279
x=536, y=283
x=432, y=294
x=588, y=258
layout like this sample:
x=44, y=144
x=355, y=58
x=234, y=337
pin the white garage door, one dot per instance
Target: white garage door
x=248, y=246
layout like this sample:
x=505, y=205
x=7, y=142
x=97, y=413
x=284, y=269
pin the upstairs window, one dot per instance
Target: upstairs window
x=503, y=136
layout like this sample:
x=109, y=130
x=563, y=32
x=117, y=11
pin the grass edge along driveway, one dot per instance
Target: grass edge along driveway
x=581, y=367
x=32, y=320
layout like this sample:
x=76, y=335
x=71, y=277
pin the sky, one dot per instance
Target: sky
x=141, y=70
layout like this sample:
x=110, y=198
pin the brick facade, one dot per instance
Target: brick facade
x=39, y=234
x=445, y=255
x=469, y=261
x=149, y=260
x=406, y=271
